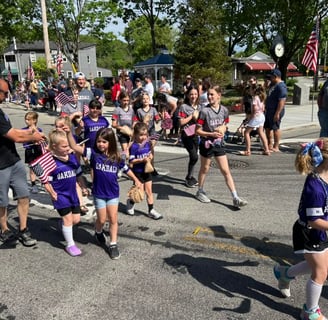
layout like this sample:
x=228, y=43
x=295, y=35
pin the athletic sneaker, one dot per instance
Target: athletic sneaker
x=202, y=197
x=280, y=272
x=8, y=237
x=100, y=237
x=113, y=251
x=191, y=182
x=35, y=189
x=154, y=214
x=73, y=251
x=238, y=202
x=311, y=315
x=129, y=207
x=119, y=173
x=26, y=239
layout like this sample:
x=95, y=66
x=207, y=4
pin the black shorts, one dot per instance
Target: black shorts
x=270, y=124
x=32, y=153
x=123, y=138
x=303, y=240
x=212, y=151
x=143, y=176
x=65, y=211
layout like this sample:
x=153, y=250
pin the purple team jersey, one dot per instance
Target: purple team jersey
x=313, y=204
x=139, y=151
x=105, y=184
x=91, y=127
x=63, y=181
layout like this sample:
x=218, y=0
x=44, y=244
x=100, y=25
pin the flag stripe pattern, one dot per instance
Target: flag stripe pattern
x=30, y=70
x=9, y=74
x=63, y=99
x=43, y=166
x=310, y=57
x=59, y=61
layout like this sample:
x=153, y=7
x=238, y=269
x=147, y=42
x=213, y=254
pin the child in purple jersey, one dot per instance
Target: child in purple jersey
x=32, y=150
x=140, y=153
x=93, y=122
x=211, y=128
x=105, y=162
x=61, y=187
x=309, y=231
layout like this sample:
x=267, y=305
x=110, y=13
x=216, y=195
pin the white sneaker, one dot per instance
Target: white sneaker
x=35, y=189
x=238, y=202
x=129, y=207
x=202, y=197
x=154, y=214
x=280, y=272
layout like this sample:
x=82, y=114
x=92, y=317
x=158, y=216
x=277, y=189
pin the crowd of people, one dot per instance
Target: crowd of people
x=127, y=144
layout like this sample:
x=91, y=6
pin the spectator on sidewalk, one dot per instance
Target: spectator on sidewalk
x=323, y=109
x=13, y=175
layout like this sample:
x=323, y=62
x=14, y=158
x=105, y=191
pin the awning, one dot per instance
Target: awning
x=13, y=72
x=265, y=66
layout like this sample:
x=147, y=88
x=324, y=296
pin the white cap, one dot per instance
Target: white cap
x=79, y=75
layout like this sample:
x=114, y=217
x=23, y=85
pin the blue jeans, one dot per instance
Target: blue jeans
x=323, y=121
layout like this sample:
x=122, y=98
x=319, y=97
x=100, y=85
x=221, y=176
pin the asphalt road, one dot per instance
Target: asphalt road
x=202, y=261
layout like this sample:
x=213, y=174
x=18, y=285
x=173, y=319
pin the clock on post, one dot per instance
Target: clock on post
x=277, y=48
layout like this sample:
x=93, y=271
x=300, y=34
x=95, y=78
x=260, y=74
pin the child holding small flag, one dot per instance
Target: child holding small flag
x=61, y=186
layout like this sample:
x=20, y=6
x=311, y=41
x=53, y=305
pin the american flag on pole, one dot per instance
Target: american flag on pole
x=310, y=57
x=59, y=61
x=63, y=99
x=9, y=74
x=85, y=110
x=30, y=71
x=43, y=166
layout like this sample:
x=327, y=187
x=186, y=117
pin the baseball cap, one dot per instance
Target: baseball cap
x=276, y=73
x=188, y=76
x=79, y=75
x=138, y=79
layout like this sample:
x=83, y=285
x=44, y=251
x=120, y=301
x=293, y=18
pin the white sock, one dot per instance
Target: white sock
x=68, y=235
x=313, y=293
x=111, y=243
x=234, y=194
x=298, y=269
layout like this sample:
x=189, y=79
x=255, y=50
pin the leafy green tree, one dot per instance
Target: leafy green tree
x=201, y=49
x=139, y=38
x=69, y=18
x=151, y=10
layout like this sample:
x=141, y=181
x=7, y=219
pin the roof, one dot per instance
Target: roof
x=39, y=46
x=265, y=66
x=160, y=59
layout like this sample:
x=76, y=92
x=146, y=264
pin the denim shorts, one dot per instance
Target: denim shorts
x=103, y=203
x=13, y=177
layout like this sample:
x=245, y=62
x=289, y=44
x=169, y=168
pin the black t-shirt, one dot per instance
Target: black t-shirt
x=8, y=152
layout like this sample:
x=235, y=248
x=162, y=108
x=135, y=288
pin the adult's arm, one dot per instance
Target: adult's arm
x=20, y=136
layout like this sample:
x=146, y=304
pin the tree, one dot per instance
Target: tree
x=201, y=49
x=138, y=38
x=69, y=18
x=151, y=11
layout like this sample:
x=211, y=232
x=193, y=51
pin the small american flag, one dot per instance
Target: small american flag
x=30, y=70
x=155, y=136
x=310, y=57
x=63, y=99
x=85, y=110
x=43, y=166
x=59, y=61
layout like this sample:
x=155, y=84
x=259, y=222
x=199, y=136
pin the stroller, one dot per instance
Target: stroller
x=239, y=136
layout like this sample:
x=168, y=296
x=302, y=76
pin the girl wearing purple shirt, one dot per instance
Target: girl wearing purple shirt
x=62, y=187
x=106, y=162
x=309, y=231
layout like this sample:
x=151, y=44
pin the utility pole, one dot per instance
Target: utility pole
x=45, y=33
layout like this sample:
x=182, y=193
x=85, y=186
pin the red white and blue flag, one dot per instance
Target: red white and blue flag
x=59, y=61
x=310, y=57
x=9, y=74
x=63, y=99
x=43, y=166
x=30, y=70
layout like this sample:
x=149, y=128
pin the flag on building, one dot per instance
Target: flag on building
x=30, y=71
x=9, y=75
x=43, y=166
x=63, y=99
x=59, y=61
x=310, y=57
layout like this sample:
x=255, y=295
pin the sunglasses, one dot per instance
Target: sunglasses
x=94, y=107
